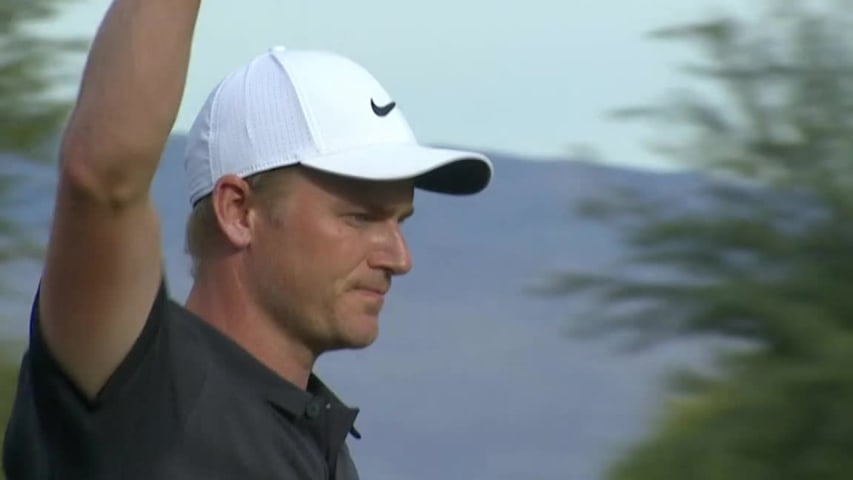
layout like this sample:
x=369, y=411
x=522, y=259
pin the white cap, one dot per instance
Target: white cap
x=323, y=111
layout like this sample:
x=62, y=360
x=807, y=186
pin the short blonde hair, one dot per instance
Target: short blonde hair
x=203, y=228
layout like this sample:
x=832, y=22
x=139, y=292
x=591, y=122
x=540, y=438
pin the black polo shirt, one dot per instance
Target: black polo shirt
x=186, y=403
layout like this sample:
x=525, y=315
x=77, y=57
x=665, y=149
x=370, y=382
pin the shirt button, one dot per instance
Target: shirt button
x=313, y=410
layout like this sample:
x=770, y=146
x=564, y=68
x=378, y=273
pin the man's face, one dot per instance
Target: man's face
x=323, y=257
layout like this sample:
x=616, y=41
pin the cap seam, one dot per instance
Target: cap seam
x=214, y=108
x=307, y=112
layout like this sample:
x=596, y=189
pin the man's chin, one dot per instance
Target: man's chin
x=350, y=344
x=357, y=338
x=363, y=340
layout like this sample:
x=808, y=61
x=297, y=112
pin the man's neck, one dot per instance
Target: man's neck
x=225, y=305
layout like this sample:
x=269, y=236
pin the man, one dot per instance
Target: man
x=301, y=169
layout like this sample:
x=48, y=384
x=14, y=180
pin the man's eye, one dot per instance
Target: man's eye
x=359, y=217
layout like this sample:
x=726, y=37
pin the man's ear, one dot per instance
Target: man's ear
x=231, y=204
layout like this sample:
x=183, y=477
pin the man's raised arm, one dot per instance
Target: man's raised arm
x=103, y=264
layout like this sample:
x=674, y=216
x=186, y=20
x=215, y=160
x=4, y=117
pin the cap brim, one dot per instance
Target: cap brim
x=437, y=170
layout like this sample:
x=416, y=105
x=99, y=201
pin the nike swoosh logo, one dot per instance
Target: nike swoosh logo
x=384, y=110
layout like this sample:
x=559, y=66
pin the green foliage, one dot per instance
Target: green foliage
x=766, y=264
x=767, y=418
x=31, y=114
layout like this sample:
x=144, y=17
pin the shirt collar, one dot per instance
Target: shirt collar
x=276, y=390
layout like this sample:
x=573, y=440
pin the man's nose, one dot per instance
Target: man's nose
x=393, y=254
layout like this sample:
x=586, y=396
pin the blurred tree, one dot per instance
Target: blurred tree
x=762, y=259
x=31, y=113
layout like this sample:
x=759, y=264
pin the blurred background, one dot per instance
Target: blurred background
x=657, y=283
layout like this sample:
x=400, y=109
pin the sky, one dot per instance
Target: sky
x=534, y=78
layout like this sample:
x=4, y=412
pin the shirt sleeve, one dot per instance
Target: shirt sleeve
x=52, y=422
x=50, y=381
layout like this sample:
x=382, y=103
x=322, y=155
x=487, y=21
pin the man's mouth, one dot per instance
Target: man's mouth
x=375, y=291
